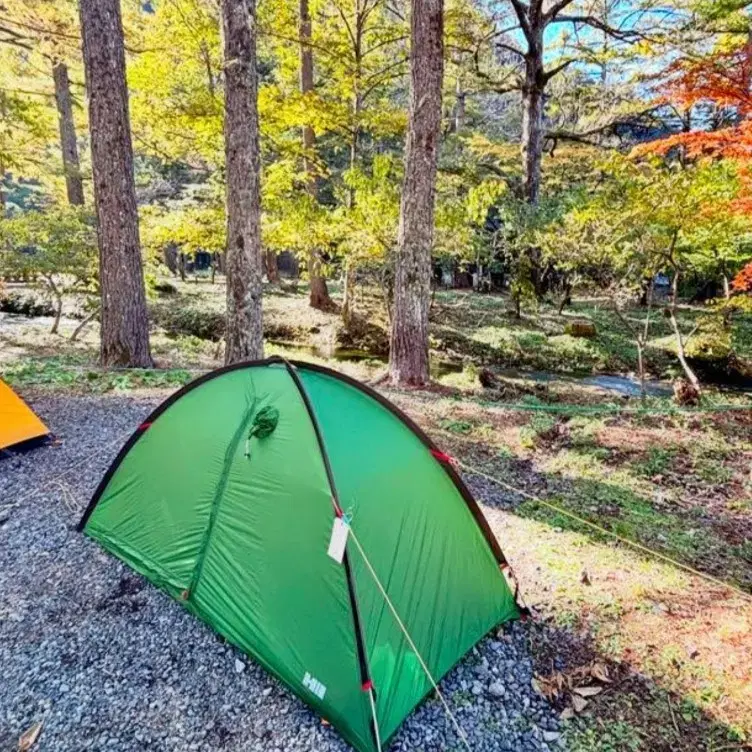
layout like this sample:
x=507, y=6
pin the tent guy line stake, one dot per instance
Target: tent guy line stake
x=409, y=639
x=604, y=531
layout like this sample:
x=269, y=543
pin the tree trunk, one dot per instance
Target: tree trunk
x=71, y=166
x=348, y=295
x=57, y=297
x=641, y=369
x=680, y=345
x=272, y=270
x=348, y=298
x=124, y=320
x=408, y=357
x=681, y=353
x=459, y=107
x=642, y=340
x=318, y=296
x=533, y=94
x=517, y=303
x=564, y=300
x=170, y=258
x=349, y=291
x=243, y=166
x=84, y=323
x=533, y=97
x=58, y=315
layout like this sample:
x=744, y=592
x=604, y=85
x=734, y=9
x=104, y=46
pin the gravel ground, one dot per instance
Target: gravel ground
x=108, y=662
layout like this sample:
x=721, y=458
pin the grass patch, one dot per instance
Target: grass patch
x=540, y=427
x=71, y=373
x=657, y=461
x=457, y=426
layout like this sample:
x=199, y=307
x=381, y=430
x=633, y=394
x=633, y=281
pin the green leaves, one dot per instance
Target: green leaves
x=645, y=217
x=59, y=242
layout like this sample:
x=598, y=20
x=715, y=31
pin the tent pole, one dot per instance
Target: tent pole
x=365, y=674
x=376, y=732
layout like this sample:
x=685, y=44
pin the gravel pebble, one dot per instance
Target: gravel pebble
x=108, y=662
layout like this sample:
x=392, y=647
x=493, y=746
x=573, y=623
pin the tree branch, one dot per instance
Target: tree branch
x=624, y=35
x=522, y=10
x=555, y=9
x=548, y=75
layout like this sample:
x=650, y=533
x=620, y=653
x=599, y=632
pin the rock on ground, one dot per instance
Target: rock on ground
x=108, y=662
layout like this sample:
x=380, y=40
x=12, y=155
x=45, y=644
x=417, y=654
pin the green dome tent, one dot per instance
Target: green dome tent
x=234, y=497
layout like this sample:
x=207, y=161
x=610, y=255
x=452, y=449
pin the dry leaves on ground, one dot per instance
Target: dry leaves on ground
x=573, y=687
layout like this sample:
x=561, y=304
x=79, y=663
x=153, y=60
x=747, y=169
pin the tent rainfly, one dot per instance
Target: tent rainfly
x=316, y=527
x=18, y=423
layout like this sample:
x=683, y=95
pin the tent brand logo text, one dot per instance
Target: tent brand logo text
x=314, y=685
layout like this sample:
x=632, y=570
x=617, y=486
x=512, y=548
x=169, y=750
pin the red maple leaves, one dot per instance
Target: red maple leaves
x=743, y=281
x=723, y=80
x=720, y=78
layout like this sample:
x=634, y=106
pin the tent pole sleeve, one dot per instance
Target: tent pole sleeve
x=357, y=623
x=219, y=491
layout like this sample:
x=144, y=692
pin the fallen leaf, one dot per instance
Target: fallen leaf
x=587, y=691
x=578, y=703
x=566, y=714
x=29, y=737
x=600, y=672
x=585, y=578
x=562, y=681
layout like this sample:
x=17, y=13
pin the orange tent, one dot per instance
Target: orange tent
x=17, y=421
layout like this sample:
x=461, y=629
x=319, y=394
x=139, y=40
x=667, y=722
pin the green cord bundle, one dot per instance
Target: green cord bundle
x=264, y=423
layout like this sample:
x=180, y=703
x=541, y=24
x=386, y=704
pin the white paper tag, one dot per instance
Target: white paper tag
x=338, y=540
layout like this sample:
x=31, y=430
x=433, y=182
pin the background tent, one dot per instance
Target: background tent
x=18, y=423
x=226, y=497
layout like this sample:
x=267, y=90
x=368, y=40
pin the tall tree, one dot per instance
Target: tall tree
x=408, y=357
x=319, y=294
x=540, y=39
x=243, y=166
x=124, y=321
x=74, y=183
x=46, y=40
